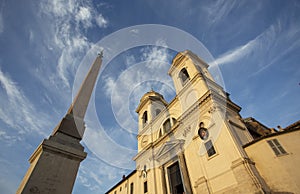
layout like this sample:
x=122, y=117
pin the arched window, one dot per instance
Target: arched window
x=145, y=118
x=160, y=133
x=157, y=111
x=184, y=76
x=167, y=126
x=174, y=121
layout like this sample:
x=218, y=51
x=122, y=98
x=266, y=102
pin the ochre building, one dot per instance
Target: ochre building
x=198, y=143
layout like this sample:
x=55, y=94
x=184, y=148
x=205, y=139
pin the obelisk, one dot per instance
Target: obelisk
x=55, y=162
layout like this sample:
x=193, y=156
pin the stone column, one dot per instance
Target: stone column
x=163, y=180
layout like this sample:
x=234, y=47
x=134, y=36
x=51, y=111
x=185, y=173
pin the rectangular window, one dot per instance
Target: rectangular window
x=145, y=187
x=131, y=188
x=210, y=148
x=276, y=147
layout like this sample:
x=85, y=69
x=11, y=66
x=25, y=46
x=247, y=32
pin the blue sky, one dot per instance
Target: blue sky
x=256, y=45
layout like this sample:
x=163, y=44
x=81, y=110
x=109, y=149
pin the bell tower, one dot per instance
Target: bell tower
x=151, y=104
x=191, y=78
x=218, y=132
x=55, y=162
x=186, y=66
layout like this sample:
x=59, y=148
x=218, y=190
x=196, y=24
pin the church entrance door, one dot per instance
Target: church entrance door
x=176, y=185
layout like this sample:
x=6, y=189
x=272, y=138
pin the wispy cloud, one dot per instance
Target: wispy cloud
x=242, y=51
x=218, y=10
x=101, y=21
x=270, y=46
x=145, y=70
x=84, y=16
x=9, y=139
x=237, y=53
x=98, y=179
x=126, y=89
x=71, y=19
x=17, y=111
x=117, y=155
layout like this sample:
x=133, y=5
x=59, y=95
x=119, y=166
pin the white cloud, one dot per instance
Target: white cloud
x=59, y=8
x=69, y=58
x=9, y=139
x=95, y=175
x=218, y=10
x=71, y=19
x=101, y=21
x=17, y=111
x=126, y=90
x=156, y=55
x=265, y=47
x=31, y=36
x=237, y=53
x=109, y=85
x=130, y=60
x=84, y=16
x=84, y=181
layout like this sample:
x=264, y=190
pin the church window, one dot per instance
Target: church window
x=160, y=133
x=210, y=148
x=145, y=118
x=276, y=147
x=145, y=187
x=131, y=188
x=174, y=121
x=184, y=76
x=167, y=126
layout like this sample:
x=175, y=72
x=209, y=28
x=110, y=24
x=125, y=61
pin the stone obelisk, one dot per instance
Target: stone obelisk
x=55, y=162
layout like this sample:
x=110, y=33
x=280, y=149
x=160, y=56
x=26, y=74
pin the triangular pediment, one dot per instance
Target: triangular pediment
x=169, y=150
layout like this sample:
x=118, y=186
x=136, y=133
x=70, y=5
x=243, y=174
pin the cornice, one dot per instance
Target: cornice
x=270, y=135
x=225, y=101
x=196, y=105
x=147, y=97
x=178, y=59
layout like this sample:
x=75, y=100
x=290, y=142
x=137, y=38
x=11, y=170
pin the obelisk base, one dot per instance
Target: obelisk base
x=53, y=166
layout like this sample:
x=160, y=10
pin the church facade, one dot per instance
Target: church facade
x=199, y=143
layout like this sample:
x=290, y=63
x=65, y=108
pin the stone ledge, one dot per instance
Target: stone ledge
x=241, y=161
x=48, y=145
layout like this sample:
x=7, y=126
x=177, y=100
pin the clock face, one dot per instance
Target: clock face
x=144, y=141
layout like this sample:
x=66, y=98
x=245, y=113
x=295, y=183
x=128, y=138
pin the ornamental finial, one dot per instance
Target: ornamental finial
x=100, y=54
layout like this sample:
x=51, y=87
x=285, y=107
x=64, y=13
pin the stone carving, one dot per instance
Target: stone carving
x=212, y=109
x=186, y=131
